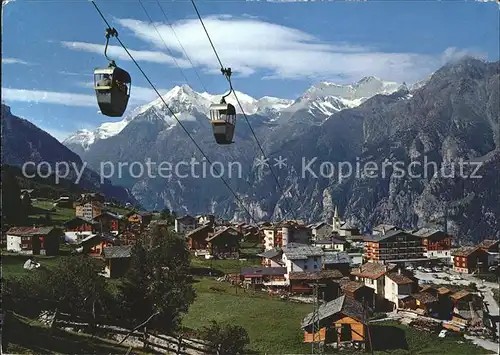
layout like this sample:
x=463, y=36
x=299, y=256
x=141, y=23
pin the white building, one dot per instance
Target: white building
x=281, y=235
x=397, y=286
x=302, y=258
x=373, y=276
x=184, y=224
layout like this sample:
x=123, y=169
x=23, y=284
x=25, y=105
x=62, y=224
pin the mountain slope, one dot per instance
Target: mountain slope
x=23, y=142
x=453, y=117
x=320, y=101
x=450, y=116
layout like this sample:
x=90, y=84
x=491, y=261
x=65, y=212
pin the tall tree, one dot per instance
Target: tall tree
x=158, y=285
x=12, y=208
x=73, y=286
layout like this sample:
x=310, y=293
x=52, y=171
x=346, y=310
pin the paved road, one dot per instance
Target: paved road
x=486, y=344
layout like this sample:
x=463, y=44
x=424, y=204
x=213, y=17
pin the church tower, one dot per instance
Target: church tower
x=336, y=220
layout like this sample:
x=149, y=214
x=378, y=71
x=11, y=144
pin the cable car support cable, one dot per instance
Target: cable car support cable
x=180, y=44
x=226, y=72
x=228, y=78
x=173, y=114
x=164, y=43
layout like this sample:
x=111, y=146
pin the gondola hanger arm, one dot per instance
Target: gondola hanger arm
x=227, y=73
x=110, y=32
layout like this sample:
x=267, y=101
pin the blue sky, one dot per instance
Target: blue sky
x=50, y=48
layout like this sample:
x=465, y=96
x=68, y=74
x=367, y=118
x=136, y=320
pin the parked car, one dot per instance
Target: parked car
x=436, y=276
x=492, y=268
x=427, y=269
x=420, y=268
x=410, y=268
x=437, y=269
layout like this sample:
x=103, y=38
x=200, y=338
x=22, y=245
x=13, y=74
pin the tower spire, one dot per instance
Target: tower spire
x=336, y=219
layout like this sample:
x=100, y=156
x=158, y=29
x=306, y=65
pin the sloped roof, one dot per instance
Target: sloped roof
x=229, y=230
x=264, y=271
x=336, y=258
x=351, y=286
x=460, y=294
x=399, y=279
x=110, y=214
x=344, y=305
x=296, y=251
x=330, y=240
x=464, y=251
x=444, y=290
x=269, y=254
x=424, y=297
x=120, y=251
x=315, y=275
x=29, y=231
x=372, y=270
x=316, y=225
x=208, y=227
x=81, y=219
x=488, y=243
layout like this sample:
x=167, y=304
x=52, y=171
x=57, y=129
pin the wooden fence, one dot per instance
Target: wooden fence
x=160, y=343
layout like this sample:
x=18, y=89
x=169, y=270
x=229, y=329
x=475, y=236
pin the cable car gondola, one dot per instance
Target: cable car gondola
x=112, y=85
x=223, y=117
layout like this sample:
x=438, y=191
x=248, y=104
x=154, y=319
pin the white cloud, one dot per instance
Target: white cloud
x=14, y=61
x=118, y=53
x=51, y=97
x=139, y=95
x=248, y=45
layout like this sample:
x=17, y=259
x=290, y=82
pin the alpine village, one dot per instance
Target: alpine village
x=280, y=253
x=87, y=266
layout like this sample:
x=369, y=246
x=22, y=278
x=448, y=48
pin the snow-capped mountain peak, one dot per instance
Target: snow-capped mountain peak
x=326, y=98
x=322, y=99
x=82, y=137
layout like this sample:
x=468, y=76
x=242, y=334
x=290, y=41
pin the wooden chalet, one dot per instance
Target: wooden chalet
x=117, y=260
x=272, y=258
x=470, y=259
x=197, y=238
x=79, y=224
x=224, y=243
x=108, y=222
x=337, y=261
x=300, y=281
x=94, y=244
x=358, y=291
x=342, y=321
x=141, y=218
x=427, y=301
x=490, y=245
x=265, y=276
x=34, y=240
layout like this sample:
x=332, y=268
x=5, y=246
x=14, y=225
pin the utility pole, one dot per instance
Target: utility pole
x=317, y=346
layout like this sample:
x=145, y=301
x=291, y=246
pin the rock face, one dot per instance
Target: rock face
x=23, y=142
x=449, y=118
